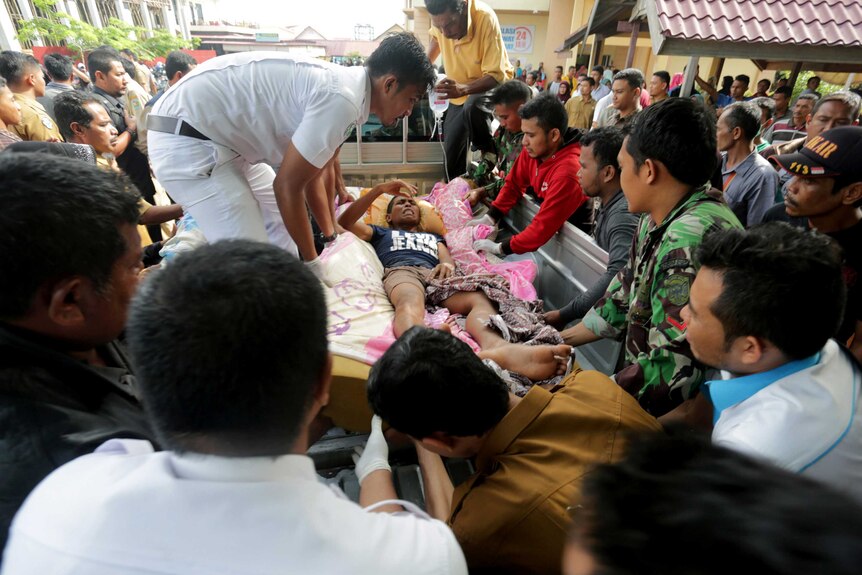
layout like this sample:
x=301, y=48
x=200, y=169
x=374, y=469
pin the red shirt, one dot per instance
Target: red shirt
x=555, y=181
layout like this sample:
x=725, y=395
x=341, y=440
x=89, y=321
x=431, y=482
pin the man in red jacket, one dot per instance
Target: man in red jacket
x=548, y=167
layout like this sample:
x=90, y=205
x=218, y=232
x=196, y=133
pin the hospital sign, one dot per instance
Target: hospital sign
x=518, y=39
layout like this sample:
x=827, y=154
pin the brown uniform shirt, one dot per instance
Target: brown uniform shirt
x=35, y=125
x=511, y=515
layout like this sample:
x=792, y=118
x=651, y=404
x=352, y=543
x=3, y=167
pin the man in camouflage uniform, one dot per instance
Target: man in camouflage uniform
x=491, y=173
x=667, y=157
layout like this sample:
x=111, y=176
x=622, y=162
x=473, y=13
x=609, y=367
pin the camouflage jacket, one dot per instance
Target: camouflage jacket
x=643, y=303
x=508, y=146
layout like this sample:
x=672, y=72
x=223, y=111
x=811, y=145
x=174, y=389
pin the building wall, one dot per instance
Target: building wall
x=528, y=60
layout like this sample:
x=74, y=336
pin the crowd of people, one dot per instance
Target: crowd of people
x=156, y=417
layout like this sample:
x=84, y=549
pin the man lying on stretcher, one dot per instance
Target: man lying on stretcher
x=411, y=259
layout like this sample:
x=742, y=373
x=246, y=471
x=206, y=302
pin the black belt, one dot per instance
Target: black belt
x=173, y=126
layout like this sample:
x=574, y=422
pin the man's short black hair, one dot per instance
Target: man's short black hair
x=678, y=133
x=762, y=80
x=58, y=66
x=744, y=79
x=534, y=74
x=560, y=68
x=418, y=394
x=128, y=67
x=437, y=7
x=102, y=60
x=15, y=65
x=129, y=53
x=665, y=76
x=590, y=80
x=599, y=69
x=813, y=79
x=785, y=91
x=58, y=222
x=642, y=514
x=69, y=108
x=403, y=56
x=633, y=76
x=606, y=143
x=743, y=115
x=780, y=284
x=178, y=61
x=510, y=93
x=548, y=111
x=229, y=342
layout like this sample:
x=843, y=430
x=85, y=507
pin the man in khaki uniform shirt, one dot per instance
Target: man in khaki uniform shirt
x=467, y=34
x=531, y=453
x=23, y=75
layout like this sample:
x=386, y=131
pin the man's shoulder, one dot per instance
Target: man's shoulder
x=698, y=218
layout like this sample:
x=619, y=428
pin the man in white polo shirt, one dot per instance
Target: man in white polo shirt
x=217, y=137
x=763, y=308
x=233, y=373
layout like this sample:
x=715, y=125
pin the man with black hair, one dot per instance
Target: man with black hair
x=66, y=385
x=24, y=77
x=548, y=166
x=737, y=91
x=658, y=86
x=749, y=181
x=625, y=101
x=764, y=307
x=666, y=160
x=554, y=88
x=600, y=90
x=467, y=34
x=580, y=110
x=177, y=65
x=825, y=194
x=762, y=88
x=10, y=114
x=811, y=86
x=234, y=492
x=244, y=167
x=614, y=224
x=782, y=112
x=506, y=99
x=792, y=128
x=680, y=505
x=143, y=76
x=109, y=87
x=412, y=259
x=531, y=452
x=59, y=68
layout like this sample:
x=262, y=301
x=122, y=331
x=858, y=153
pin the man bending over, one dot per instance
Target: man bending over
x=413, y=258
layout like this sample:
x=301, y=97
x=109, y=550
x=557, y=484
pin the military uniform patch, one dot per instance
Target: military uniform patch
x=47, y=122
x=677, y=288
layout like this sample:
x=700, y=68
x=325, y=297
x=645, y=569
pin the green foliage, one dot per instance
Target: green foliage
x=802, y=83
x=59, y=28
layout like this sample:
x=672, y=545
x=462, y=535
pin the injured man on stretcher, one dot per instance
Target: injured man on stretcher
x=419, y=271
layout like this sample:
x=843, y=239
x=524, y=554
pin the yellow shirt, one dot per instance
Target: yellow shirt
x=580, y=112
x=35, y=125
x=479, y=53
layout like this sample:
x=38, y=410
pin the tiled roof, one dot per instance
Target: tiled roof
x=799, y=22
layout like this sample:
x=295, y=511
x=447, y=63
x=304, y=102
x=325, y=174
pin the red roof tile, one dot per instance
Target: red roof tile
x=799, y=22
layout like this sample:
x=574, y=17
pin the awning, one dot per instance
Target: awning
x=603, y=20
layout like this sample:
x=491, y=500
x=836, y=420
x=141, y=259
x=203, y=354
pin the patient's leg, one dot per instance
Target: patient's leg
x=534, y=361
x=409, y=302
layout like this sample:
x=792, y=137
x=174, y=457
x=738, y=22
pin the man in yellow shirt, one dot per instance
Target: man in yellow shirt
x=467, y=34
x=580, y=110
x=23, y=75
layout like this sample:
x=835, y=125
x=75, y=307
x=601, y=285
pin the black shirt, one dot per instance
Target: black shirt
x=778, y=213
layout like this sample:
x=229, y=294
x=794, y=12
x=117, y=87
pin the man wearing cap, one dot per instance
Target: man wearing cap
x=826, y=188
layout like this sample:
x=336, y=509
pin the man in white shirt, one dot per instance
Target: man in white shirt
x=763, y=308
x=231, y=345
x=216, y=137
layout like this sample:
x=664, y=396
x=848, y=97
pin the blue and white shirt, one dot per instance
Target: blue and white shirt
x=398, y=248
x=804, y=416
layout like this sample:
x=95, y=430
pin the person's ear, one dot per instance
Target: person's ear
x=608, y=173
x=99, y=75
x=555, y=135
x=736, y=133
x=390, y=84
x=64, y=301
x=439, y=442
x=852, y=194
x=324, y=383
x=648, y=172
x=749, y=349
x=76, y=128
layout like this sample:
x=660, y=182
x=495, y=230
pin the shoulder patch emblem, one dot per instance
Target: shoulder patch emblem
x=46, y=121
x=677, y=289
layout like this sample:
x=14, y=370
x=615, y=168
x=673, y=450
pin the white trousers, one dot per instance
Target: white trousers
x=227, y=196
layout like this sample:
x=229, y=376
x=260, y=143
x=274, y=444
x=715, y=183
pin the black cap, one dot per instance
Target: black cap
x=835, y=152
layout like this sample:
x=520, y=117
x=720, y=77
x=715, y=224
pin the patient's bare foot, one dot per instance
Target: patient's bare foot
x=537, y=362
